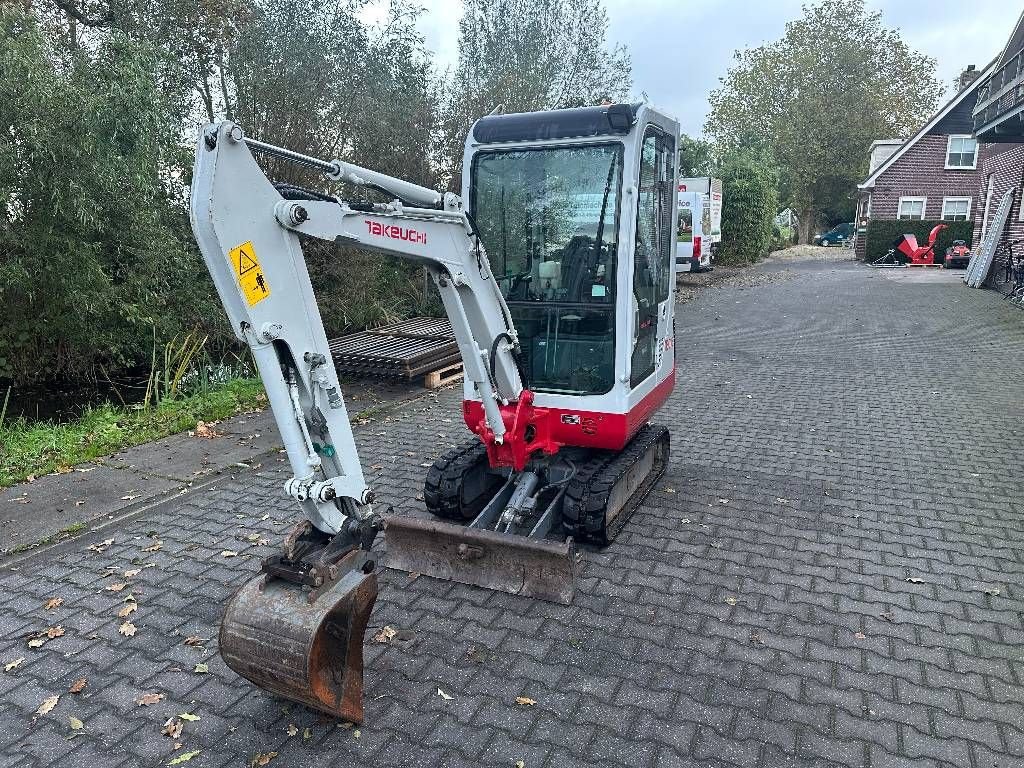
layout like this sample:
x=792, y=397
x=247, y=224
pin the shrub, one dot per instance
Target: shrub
x=882, y=232
x=749, y=203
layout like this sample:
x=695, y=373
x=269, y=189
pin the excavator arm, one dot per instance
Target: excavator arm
x=249, y=237
x=297, y=629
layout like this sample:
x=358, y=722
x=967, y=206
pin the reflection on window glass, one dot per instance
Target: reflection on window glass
x=548, y=219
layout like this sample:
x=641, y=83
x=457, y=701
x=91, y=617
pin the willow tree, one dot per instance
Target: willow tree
x=526, y=55
x=814, y=100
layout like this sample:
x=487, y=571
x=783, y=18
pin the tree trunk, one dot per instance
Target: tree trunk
x=806, y=225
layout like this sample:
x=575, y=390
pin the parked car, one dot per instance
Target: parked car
x=838, y=235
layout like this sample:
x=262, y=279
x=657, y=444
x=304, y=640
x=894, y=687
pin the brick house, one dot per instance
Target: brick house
x=932, y=175
x=998, y=124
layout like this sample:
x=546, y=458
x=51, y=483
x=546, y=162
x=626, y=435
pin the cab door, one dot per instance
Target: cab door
x=652, y=255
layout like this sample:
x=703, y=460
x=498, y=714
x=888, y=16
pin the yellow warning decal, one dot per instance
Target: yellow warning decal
x=250, y=275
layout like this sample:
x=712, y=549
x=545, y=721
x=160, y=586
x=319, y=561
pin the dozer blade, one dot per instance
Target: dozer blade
x=518, y=565
x=308, y=651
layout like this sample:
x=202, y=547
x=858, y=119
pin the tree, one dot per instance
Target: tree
x=816, y=99
x=696, y=157
x=96, y=250
x=525, y=55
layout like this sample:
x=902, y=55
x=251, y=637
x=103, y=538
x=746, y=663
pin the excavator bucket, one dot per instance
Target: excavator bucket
x=301, y=645
x=519, y=565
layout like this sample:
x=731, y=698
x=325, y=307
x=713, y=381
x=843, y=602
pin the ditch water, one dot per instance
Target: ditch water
x=62, y=401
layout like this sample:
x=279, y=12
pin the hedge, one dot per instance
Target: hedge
x=881, y=233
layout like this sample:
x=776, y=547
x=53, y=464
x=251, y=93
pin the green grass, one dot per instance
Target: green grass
x=38, y=448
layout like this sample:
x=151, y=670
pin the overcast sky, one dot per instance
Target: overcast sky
x=680, y=48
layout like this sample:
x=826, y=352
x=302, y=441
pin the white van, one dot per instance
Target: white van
x=693, y=253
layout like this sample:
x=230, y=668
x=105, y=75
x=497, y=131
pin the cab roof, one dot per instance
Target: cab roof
x=607, y=119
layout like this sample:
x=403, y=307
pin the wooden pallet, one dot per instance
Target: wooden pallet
x=442, y=377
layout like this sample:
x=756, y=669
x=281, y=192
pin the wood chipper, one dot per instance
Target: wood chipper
x=558, y=279
x=906, y=247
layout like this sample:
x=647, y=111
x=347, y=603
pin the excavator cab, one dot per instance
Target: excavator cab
x=556, y=271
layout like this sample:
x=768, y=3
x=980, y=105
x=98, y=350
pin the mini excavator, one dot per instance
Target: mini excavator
x=555, y=268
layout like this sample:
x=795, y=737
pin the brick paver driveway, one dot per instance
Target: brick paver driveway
x=827, y=575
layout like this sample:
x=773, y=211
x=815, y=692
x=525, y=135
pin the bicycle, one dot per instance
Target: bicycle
x=1013, y=272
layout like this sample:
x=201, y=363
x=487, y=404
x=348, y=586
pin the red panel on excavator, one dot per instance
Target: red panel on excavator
x=557, y=427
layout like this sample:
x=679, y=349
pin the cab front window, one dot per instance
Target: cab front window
x=549, y=220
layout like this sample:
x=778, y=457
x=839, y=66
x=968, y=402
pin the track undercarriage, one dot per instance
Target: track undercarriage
x=516, y=532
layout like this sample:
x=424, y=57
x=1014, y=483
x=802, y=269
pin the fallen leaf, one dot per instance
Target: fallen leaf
x=292, y=729
x=78, y=685
x=188, y=716
x=149, y=698
x=202, y=669
x=36, y=642
x=669, y=490
x=730, y=600
x=129, y=497
x=520, y=764
x=385, y=635
x=346, y=725
x=117, y=586
x=53, y=632
x=356, y=733
x=262, y=759
x=154, y=547
x=195, y=640
x=307, y=734
x=915, y=580
x=100, y=546
x=48, y=703
x=443, y=695
x=53, y=602
x=228, y=553
x=127, y=629
x=12, y=665
x=132, y=573
x=526, y=702
x=172, y=728
x=184, y=757
x=723, y=501
x=128, y=609
x=76, y=724
x=207, y=431
x=860, y=635
x=991, y=591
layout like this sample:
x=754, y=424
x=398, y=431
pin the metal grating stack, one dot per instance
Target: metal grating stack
x=405, y=349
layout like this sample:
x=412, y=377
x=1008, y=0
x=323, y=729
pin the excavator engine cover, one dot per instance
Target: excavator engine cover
x=301, y=645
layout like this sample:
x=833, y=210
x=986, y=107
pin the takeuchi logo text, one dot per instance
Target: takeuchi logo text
x=395, y=232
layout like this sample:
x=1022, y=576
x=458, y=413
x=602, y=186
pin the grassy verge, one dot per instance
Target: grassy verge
x=33, y=448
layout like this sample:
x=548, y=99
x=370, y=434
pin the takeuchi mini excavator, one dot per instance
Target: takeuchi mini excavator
x=556, y=271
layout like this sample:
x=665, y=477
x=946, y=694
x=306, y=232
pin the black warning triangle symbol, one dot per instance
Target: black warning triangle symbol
x=245, y=262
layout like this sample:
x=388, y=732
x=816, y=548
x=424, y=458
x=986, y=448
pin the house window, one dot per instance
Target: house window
x=961, y=152
x=912, y=207
x=956, y=208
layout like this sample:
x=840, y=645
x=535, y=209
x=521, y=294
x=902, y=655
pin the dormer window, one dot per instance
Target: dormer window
x=962, y=153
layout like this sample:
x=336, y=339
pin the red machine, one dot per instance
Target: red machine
x=919, y=255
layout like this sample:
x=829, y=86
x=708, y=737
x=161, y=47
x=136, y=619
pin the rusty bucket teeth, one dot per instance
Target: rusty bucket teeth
x=309, y=652
x=515, y=564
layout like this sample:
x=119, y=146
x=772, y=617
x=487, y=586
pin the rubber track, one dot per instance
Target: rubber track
x=443, y=485
x=586, y=497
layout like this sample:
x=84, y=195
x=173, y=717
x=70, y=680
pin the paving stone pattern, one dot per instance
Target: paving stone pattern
x=827, y=575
